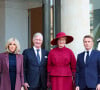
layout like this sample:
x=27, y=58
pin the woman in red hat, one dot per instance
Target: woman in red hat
x=61, y=65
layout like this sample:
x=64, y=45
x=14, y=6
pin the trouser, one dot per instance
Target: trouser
x=40, y=86
x=86, y=88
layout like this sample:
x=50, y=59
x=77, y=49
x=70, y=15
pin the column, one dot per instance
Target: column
x=46, y=23
x=75, y=21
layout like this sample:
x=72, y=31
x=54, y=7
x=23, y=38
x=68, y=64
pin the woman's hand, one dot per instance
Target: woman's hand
x=26, y=85
x=77, y=88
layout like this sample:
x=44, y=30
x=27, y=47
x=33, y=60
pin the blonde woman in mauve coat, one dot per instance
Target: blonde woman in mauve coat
x=11, y=66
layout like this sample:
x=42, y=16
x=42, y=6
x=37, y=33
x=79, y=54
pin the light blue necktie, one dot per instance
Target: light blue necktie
x=38, y=56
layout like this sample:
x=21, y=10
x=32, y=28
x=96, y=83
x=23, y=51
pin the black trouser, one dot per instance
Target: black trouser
x=40, y=86
x=86, y=88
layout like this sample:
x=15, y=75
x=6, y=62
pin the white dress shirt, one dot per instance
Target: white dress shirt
x=86, y=54
x=98, y=48
x=40, y=54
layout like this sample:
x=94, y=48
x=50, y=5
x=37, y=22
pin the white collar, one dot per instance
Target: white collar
x=36, y=48
x=89, y=51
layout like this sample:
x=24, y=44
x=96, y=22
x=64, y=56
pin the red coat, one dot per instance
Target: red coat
x=61, y=62
x=4, y=72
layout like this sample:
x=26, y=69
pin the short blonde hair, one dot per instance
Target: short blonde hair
x=17, y=45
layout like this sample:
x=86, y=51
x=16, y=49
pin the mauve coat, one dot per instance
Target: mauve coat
x=4, y=72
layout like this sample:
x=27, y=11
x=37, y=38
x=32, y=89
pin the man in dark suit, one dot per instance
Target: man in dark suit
x=35, y=65
x=88, y=67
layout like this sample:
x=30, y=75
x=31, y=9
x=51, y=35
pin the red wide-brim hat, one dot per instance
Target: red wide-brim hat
x=62, y=34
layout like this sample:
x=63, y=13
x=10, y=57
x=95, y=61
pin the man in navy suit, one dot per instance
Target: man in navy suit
x=35, y=65
x=88, y=67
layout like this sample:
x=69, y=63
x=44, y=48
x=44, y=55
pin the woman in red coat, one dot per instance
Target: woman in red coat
x=61, y=65
x=11, y=67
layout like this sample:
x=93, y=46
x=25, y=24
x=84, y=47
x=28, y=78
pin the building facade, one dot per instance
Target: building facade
x=71, y=17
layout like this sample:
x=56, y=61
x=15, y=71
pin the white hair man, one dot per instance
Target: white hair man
x=35, y=65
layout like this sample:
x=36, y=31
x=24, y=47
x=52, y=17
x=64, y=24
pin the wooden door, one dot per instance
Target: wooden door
x=36, y=23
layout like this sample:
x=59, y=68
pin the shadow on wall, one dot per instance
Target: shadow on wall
x=96, y=34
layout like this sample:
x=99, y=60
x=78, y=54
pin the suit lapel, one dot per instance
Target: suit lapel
x=42, y=55
x=7, y=60
x=18, y=61
x=83, y=58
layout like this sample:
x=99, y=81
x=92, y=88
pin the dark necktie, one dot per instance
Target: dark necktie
x=38, y=56
x=87, y=57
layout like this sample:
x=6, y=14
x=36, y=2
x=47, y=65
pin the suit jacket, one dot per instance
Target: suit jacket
x=88, y=74
x=33, y=70
x=4, y=72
